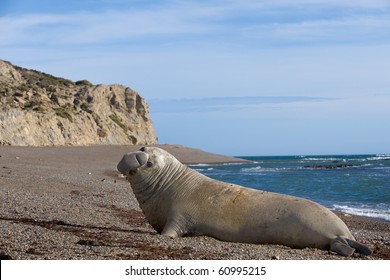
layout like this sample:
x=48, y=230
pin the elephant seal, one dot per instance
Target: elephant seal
x=178, y=201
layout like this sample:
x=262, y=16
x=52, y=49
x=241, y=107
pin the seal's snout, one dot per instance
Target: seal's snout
x=142, y=158
x=132, y=161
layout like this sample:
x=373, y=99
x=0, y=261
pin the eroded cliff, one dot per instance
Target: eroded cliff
x=37, y=109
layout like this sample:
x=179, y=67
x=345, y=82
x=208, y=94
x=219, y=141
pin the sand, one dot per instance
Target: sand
x=72, y=203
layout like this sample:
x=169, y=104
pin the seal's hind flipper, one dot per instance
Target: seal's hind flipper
x=359, y=247
x=341, y=246
x=346, y=247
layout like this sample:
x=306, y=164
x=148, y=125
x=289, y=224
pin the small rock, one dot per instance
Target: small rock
x=275, y=258
x=5, y=256
x=89, y=242
x=33, y=251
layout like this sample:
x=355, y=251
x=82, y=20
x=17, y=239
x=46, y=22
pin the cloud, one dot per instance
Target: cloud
x=212, y=104
x=81, y=28
x=214, y=22
x=326, y=31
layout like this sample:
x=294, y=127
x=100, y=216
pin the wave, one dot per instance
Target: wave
x=379, y=157
x=261, y=169
x=199, y=164
x=204, y=169
x=381, y=167
x=364, y=211
x=216, y=164
x=382, y=155
x=252, y=169
x=346, y=157
x=323, y=159
x=235, y=163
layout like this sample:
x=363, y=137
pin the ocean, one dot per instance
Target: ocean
x=355, y=184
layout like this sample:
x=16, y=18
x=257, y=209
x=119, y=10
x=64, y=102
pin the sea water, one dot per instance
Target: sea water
x=355, y=184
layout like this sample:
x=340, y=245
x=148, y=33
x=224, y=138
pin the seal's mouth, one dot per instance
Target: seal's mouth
x=131, y=162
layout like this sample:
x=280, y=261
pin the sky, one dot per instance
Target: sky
x=280, y=77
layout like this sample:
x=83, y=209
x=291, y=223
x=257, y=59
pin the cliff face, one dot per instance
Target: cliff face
x=37, y=109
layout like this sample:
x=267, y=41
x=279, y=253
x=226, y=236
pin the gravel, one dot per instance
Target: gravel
x=71, y=203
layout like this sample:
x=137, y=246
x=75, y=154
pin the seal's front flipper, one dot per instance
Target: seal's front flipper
x=170, y=232
x=341, y=246
x=359, y=247
x=172, y=229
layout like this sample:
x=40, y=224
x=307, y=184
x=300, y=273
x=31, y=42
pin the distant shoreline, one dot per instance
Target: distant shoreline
x=186, y=155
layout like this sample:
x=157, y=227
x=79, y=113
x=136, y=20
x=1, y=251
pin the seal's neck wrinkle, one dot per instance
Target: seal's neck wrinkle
x=145, y=187
x=170, y=174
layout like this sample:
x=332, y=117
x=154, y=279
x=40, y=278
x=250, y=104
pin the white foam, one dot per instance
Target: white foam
x=364, y=211
x=324, y=159
x=235, y=163
x=379, y=157
x=252, y=169
x=382, y=167
x=260, y=169
x=203, y=169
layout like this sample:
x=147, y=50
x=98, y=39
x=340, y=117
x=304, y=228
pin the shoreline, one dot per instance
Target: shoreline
x=71, y=203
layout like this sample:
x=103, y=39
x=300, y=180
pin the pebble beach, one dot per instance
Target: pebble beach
x=71, y=203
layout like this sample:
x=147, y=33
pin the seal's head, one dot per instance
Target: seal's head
x=155, y=177
x=146, y=162
x=132, y=162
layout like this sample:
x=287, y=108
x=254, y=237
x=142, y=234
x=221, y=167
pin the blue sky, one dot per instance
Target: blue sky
x=233, y=77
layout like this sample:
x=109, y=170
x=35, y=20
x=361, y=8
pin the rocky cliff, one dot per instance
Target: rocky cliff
x=37, y=109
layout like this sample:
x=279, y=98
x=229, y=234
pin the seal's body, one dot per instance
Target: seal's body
x=178, y=201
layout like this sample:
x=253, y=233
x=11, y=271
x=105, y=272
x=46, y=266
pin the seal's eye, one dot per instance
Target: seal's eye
x=142, y=149
x=149, y=164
